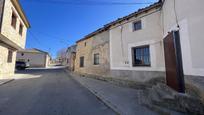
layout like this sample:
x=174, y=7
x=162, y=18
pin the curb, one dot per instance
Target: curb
x=7, y=81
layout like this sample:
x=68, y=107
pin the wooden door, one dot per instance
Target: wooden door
x=173, y=62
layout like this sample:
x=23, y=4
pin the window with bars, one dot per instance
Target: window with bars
x=141, y=56
x=137, y=25
x=10, y=56
x=13, y=20
x=96, y=59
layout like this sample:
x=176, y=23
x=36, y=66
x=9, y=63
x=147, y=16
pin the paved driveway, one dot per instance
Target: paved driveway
x=49, y=92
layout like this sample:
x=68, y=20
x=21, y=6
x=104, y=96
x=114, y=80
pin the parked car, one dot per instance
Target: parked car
x=20, y=65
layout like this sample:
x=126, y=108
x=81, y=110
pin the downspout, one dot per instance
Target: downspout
x=122, y=46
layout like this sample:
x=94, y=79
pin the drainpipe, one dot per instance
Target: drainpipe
x=122, y=46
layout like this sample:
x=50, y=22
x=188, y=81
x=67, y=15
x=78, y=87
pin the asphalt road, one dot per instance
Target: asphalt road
x=53, y=93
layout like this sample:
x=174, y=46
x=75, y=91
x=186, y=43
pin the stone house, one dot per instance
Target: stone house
x=13, y=29
x=35, y=57
x=70, y=57
x=92, y=56
x=163, y=40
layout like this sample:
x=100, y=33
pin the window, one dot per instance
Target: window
x=21, y=29
x=137, y=25
x=81, y=61
x=22, y=54
x=10, y=56
x=141, y=56
x=96, y=59
x=85, y=44
x=13, y=20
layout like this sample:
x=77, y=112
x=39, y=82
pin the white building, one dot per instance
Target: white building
x=164, y=39
x=35, y=57
x=141, y=33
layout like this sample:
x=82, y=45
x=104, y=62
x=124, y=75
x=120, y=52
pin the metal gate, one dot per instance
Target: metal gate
x=173, y=62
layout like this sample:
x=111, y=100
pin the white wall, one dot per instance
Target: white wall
x=151, y=34
x=191, y=21
x=36, y=59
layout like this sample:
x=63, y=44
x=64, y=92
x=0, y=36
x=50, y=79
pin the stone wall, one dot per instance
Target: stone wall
x=6, y=69
x=10, y=32
x=195, y=86
x=87, y=48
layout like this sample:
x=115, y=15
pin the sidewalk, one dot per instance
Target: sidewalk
x=125, y=101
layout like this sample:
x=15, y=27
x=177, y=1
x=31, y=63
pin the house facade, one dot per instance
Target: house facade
x=163, y=40
x=92, y=56
x=70, y=57
x=13, y=29
x=35, y=57
x=136, y=45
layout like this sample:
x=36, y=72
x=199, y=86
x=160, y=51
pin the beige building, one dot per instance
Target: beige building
x=13, y=28
x=35, y=57
x=92, y=55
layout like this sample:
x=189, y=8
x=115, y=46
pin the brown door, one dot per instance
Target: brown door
x=173, y=62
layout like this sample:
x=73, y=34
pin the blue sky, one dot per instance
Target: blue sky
x=57, y=25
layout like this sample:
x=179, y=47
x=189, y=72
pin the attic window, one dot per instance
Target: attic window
x=137, y=25
x=13, y=20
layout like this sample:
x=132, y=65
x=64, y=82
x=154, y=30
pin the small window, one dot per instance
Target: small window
x=85, y=44
x=141, y=56
x=10, y=56
x=96, y=59
x=137, y=25
x=21, y=29
x=13, y=20
x=81, y=61
x=22, y=54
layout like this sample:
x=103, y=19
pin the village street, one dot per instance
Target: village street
x=49, y=92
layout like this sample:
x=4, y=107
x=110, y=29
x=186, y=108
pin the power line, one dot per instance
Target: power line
x=38, y=41
x=51, y=36
x=88, y=2
x=34, y=37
